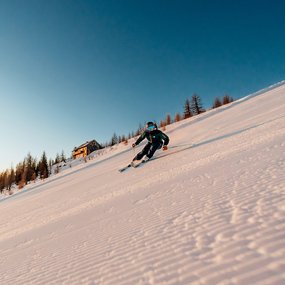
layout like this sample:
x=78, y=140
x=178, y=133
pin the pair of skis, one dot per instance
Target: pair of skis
x=133, y=164
x=185, y=147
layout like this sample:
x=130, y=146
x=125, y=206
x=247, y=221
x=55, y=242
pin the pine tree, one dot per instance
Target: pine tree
x=227, y=99
x=57, y=159
x=6, y=179
x=124, y=139
x=177, y=117
x=217, y=103
x=50, y=164
x=43, y=167
x=29, y=169
x=34, y=167
x=139, y=130
x=196, y=105
x=34, y=177
x=162, y=125
x=11, y=178
x=187, y=109
x=168, y=120
x=23, y=180
x=114, y=139
x=18, y=173
x=62, y=157
x=2, y=185
x=20, y=170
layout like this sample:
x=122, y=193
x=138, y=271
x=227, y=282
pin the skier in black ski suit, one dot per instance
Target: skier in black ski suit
x=156, y=139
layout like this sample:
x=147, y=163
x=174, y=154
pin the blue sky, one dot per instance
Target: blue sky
x=71, y=71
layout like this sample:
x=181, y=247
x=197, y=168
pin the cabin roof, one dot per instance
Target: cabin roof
x=84, y=145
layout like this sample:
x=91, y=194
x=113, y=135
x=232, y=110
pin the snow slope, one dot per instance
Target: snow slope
x=210, y=210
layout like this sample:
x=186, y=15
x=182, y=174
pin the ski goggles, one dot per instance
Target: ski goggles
x=150, y=128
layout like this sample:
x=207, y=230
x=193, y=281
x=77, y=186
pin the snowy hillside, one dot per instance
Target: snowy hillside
x=210, y=210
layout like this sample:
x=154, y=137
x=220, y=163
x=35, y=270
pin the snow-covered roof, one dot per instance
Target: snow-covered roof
x=85, y=144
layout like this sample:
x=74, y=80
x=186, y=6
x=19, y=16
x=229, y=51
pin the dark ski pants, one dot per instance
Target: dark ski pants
x=148, y=150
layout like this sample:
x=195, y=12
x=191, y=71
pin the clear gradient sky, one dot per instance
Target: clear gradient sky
x=72, y=71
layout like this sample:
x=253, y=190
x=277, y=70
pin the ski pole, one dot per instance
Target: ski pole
x=134, y=150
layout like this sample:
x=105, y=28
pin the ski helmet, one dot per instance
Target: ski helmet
x=150, y=126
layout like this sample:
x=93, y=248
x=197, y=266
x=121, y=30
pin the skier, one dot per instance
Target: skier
x=156, y=140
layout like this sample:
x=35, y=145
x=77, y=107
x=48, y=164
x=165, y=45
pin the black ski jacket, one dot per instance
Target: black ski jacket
x=155, y=136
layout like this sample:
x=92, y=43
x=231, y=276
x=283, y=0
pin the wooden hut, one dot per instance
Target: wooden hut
x=85, y=149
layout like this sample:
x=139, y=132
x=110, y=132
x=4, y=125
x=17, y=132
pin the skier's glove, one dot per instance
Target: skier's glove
x=133, y=145
x=165, y=147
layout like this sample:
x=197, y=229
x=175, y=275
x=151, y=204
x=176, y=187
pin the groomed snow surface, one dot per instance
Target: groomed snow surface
x=210, y=210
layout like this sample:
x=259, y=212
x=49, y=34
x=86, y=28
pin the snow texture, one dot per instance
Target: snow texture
x=210, y=210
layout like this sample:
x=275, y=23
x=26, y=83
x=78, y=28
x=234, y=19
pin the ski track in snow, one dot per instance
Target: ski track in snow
x=211, y=211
